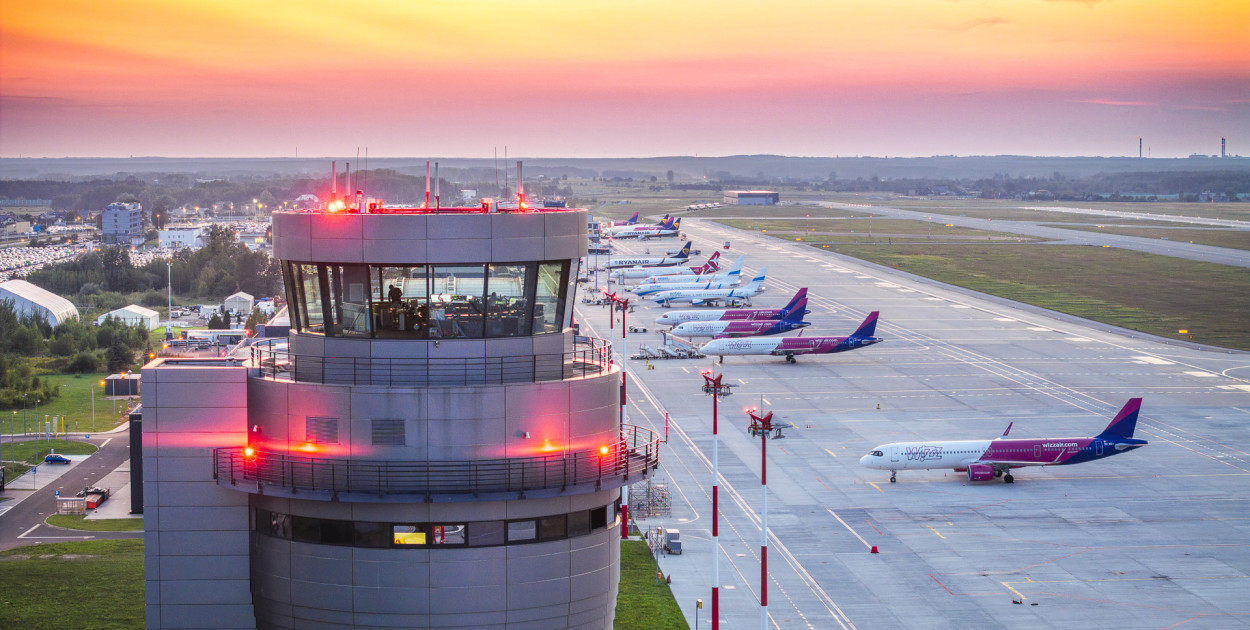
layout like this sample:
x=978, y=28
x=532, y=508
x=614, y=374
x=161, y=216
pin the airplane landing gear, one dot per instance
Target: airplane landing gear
x=1007, y=478
x=790, y=359
x=893, y=479
x=722, y=358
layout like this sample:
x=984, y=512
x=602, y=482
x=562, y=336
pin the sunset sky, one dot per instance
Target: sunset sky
x=621, y=78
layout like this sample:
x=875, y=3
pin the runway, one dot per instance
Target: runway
x=1155, y=538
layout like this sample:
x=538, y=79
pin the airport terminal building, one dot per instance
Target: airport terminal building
x=430, y=447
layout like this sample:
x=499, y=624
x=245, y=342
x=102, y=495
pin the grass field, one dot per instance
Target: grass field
x=89, y=584
x=1010, y=209
x=25, y=450
x=1236, y=239
x=76, y=405
x=1154, y=294
x=641, y=604
x=860, y=229
x=80, y=522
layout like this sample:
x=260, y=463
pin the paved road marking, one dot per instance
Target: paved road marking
x=848, y=527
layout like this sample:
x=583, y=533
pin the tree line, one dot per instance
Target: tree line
x=222, y=267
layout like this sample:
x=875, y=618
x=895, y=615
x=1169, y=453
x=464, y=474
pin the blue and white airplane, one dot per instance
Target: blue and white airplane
x=710, y=297
x=728, y=281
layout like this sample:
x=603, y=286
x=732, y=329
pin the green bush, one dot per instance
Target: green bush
x=85, y=361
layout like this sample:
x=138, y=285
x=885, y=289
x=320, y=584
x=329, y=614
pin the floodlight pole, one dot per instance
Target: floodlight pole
x=712, y=385
x=763, y=425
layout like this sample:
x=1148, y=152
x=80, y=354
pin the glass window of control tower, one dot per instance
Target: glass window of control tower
x=507, y=309
x=308, y=285
x=401, y=302
x=429, y=301
x=549, y=298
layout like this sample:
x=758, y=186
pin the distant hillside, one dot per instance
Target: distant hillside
x=685, y=168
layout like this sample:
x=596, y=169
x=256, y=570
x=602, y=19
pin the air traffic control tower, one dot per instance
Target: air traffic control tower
x=431, y=446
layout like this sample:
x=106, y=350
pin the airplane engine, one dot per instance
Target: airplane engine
x=980, y=472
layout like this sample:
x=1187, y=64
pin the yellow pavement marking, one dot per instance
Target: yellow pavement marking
x=1018, y=593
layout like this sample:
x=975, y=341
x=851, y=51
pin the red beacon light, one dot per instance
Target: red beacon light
x=603, y=450
x=249, y=452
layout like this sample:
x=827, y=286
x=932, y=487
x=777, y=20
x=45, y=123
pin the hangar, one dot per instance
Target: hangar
x=133, y=315
x=30, y=300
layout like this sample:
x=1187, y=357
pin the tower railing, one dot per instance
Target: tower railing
x=611, y=465
x=590, y=357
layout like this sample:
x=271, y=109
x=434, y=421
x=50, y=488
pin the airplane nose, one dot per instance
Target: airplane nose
x=864, y=460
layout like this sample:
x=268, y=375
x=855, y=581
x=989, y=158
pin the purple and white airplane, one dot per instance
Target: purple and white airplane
x=985, y=460
x=728, y=329
x=791, y=346
x=673, y=318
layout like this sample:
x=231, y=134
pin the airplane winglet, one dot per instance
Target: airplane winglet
x=1125, y=422
x=1008, y=429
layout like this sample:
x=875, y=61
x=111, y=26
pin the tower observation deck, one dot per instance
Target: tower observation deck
x=431, y=446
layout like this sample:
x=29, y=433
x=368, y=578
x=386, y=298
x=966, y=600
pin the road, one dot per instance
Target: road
x=23, y=523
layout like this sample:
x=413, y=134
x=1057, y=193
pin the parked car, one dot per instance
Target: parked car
x=55, y=458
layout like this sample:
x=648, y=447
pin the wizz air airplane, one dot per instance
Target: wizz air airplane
x=791, y=346
x=685, y=272
x=663, y=261
x=710, y=297
x=630, y=221
x=727, y=280
x=734, y=272
x=668, y=226
x=729, y=329
x=984, y=460
x=673, y=318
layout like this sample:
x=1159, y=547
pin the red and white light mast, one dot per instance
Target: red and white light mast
x=712, y=385
x=763, y=425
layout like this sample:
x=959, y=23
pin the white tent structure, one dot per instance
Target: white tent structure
x=133, y=315
x=239, y=303
x=29, y=300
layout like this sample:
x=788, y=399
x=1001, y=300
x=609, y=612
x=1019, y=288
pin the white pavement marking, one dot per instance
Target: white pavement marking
x=848, y=527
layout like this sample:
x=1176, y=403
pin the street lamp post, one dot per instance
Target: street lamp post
x=169, y=314
x=712, y=385
x=762, y=426
x=64, y=403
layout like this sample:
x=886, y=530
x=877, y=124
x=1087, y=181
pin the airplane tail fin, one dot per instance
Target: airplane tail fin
x=738, y=263
x=668, y=223
x=632, y=220
x=801, y=296
x=1124, y=423
x=795, y=315
x=868, y=328
x=757, y=282
x=685, y=250
x=677, y=223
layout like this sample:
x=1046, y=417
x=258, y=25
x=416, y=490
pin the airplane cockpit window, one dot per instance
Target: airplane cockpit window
x=877, y=454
